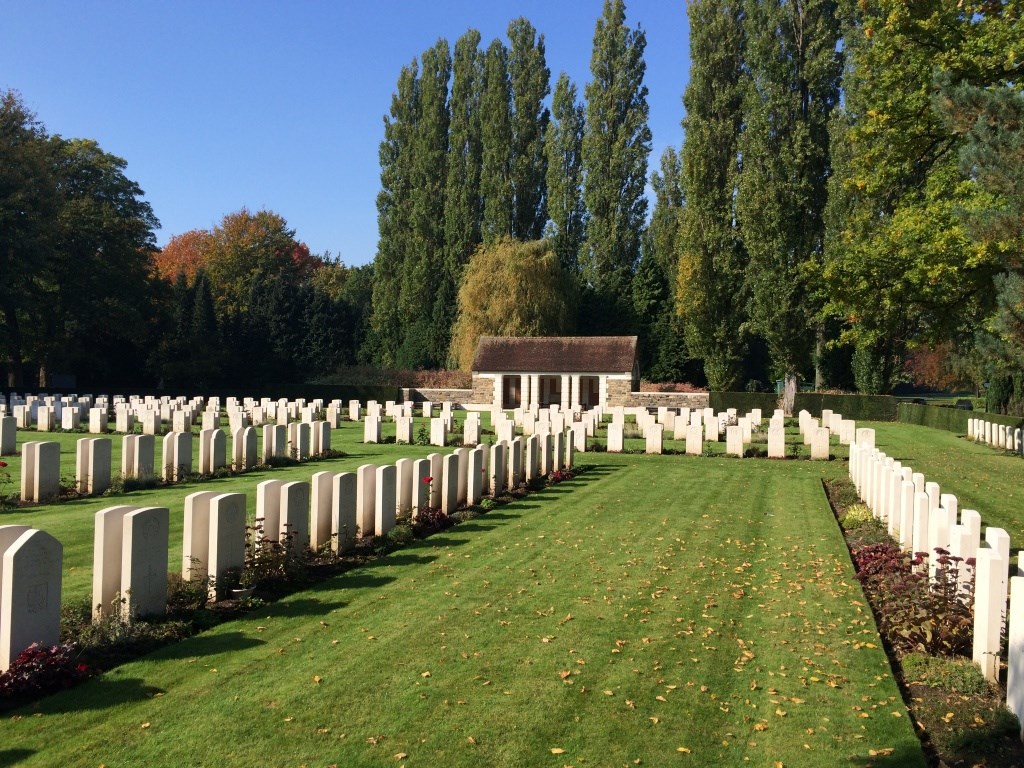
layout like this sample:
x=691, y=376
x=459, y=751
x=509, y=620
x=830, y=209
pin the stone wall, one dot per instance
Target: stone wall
x=423, y=395
x=621, y=393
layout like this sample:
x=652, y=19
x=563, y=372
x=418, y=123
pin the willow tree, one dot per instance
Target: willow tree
x=511, y=288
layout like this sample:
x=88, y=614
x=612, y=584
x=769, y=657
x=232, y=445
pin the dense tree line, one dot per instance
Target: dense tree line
x=847, y=196
x=75, y=240
x=473, y=155
x=846, y=207
x=85, y=291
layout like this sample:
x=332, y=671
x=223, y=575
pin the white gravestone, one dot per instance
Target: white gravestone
x=384, y=500
x=366, y=493
x=295, y=514
x=30, y=587
x=343, y=512
x=321, y=510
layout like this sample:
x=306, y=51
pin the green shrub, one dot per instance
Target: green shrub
x=950, y=419
x=400, y=535
x=961, y=676
x=743, y=402
x=859, y=407
x=856, y=516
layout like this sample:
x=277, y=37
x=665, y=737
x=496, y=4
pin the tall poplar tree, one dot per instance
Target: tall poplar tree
x=615, y=149
x=710, y=292
x=422, y=345
x=563, y=148
x=530, y=80
x=462, y=205
x=496, y=130
x=394, y=216
x=791, y=90
x=662, y=348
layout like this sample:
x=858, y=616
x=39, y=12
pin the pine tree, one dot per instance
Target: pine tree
x=529, y=77
x=791, y=90
x=615, y=149
x=710, y=294
x=496, y=130
x=563, y=147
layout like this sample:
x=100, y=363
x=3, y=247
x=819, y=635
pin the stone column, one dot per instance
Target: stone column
x=499, y=390
x=524, y=391
x=602, y=392
x=535, y=390
x=566, y=383
x=574, y=401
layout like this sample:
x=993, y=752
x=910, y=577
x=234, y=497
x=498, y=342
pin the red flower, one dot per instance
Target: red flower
x=3, y=464
x=425, y=479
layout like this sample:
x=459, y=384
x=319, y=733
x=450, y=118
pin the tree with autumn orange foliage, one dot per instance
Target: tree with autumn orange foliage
x=184, y=254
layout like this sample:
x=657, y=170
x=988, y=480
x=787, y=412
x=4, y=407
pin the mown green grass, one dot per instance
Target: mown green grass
x=652, y=605
x=72, y=522
x=981, y=477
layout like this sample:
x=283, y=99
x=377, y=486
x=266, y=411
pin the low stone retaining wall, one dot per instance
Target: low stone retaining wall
x=691, y=400
x=424, y=395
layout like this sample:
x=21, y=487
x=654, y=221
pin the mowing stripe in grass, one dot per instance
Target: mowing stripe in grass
x=652, y=604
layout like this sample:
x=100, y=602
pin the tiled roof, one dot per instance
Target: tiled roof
x=555, y=354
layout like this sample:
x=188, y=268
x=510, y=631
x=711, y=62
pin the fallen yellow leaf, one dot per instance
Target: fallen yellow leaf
x=557, y=751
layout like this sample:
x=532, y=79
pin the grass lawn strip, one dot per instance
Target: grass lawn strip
x=657, y=609
x=981, y=477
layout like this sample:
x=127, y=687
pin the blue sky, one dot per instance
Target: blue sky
x=221, y=104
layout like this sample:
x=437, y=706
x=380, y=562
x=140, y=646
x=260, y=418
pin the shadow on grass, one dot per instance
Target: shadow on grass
x=10, y=757
x=907, y=754
x=208, y=645
x=101, y=693
x=355, y=579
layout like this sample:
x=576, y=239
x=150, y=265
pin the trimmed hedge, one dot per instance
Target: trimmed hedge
x=950, y=419
x=859, y=407
x=743, y=402
x=326, y=392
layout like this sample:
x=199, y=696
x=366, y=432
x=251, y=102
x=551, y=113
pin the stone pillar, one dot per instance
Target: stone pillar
x=499, y=390
x=534, y=390
x=574, y=401
x=566, y=384
x=524, y=391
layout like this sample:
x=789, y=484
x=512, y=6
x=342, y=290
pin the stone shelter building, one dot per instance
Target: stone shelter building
x=568, y=371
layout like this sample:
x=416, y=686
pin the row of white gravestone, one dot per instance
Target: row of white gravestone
x=999, y=436
x=131, y=542
x=40, y=467
x=924, y=520
x=158, y=416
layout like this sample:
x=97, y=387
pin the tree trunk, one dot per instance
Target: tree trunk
x=14, y=361
x=819, y=351
x=789, y=393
